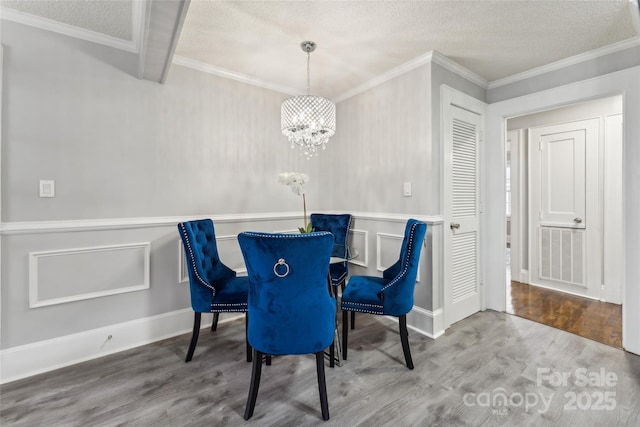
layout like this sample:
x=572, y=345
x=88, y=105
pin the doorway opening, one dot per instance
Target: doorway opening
x=563, y=194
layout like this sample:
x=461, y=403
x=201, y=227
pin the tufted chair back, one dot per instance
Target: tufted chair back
x=206, y=271
x=214, y=287
x=290, y=308
x=291, y=311
x=338, y=225
x=397, y=293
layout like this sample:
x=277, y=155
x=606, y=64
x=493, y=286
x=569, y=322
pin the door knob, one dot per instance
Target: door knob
x=454, y=226
x=577, y=220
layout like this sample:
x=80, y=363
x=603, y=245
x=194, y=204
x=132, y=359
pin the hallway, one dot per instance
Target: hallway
x=596, y=320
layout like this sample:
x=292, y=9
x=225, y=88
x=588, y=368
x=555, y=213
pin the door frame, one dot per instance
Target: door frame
x=626, y=83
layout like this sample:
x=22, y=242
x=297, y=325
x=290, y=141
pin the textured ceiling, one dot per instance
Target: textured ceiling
x=113, y=18
x=360, y=40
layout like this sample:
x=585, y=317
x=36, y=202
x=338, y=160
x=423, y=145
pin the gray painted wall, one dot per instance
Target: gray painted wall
x=120, y=147
x=382, y=143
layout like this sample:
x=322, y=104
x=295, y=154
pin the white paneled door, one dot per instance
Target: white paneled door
x=565, y=217
x=463, y=125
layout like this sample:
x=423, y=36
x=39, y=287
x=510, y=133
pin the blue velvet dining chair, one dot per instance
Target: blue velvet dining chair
x=338, y=225
x=391, y=294
x=214, y=287
x=291, y=311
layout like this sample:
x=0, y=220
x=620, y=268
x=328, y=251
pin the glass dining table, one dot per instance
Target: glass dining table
x=335, y=353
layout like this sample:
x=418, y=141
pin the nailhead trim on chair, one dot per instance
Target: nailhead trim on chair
x=349, y=306
x=192, y=259
x=406, y=266
x=227, y=308
x=284, y=235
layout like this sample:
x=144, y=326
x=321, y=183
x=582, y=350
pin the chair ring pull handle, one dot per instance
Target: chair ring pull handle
x=281, y=262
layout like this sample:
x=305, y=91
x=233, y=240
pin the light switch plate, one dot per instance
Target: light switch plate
x=47, y=188
x=406, y=189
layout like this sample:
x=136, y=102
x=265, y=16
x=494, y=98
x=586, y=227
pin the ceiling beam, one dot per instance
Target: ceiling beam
x=162, y=24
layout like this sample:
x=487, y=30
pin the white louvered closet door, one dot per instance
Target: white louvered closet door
x=462, y=138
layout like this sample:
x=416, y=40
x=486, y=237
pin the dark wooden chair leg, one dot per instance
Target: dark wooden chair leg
x=353, y=320
x=214, y=324
x=322, y=385
x=332, y=355
x=256, y=371
x=345, y=333
x=404, y=337
x=246, y=336
x=194, y=336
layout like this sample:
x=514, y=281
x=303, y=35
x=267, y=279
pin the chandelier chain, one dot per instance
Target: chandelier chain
x=308, y=73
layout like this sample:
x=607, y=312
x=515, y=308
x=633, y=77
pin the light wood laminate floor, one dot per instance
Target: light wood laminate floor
x=489, y=369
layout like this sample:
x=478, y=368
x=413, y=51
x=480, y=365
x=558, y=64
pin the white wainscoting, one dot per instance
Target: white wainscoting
x=26, y=360
x=359, y=241
x=183, y=272
x=65, y=275
x=388, y=248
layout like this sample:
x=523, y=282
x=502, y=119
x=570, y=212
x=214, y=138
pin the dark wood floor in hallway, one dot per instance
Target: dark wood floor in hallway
x=596, y=320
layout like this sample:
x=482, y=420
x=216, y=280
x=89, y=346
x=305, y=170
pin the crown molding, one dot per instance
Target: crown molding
x=385, y=77
x=222, y=72
x=458, y=69
x=567, y=62
x=71, y=31
x=429, y=57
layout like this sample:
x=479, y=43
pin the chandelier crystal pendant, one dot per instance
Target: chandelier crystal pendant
x=308, y=121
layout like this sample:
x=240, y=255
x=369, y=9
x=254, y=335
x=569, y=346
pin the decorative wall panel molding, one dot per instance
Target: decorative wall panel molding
x=359, y=241
x=65, y=275
x=388, y=249
x=227, y=245
x=183, y=273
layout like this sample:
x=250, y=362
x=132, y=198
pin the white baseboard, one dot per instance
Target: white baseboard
x=425, y=322
x=43, y=356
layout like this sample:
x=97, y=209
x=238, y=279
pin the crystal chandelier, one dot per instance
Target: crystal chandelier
x=308, y=121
